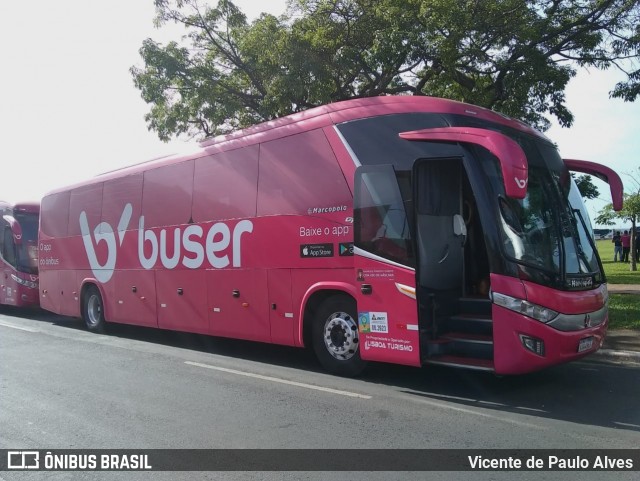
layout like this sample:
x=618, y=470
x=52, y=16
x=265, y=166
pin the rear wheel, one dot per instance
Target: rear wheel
x=93, y=310
x=335, y=337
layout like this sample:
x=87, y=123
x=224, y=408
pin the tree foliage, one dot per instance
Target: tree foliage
x=514, y=56
x=630, y=212
x=587, y=189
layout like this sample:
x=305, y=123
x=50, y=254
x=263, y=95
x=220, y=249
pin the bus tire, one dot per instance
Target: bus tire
x=93, y=310
x=335, y=336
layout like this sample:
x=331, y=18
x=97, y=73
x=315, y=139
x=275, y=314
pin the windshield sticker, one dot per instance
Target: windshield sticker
x=580, y=283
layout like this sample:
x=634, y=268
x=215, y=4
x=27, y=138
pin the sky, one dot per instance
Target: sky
x=69, y=109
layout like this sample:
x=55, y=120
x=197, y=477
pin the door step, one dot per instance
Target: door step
x=479, y=318
x=475, y=305
x=463, y=334
x=466, y=344
x=472, y=324
x=467, y=337
x=462, y=362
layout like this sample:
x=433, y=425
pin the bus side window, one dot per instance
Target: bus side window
x=299, y=173
x=167, y=194
x=87, y=199
x=382, y=226
x=55, y=214
x=225, y=185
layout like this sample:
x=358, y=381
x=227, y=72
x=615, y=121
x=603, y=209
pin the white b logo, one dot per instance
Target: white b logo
x=104, y=232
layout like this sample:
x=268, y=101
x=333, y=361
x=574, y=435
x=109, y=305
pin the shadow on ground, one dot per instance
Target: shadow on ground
x=587, y=392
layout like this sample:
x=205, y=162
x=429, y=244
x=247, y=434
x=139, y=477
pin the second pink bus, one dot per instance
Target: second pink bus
x=19, y=254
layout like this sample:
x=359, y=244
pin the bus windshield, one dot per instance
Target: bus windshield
x=27, y=249
x=549, y=229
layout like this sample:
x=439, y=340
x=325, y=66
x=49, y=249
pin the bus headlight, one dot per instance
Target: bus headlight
x=534, y=311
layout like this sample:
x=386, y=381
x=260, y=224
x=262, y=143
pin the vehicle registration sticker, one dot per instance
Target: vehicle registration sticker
x=585, y=344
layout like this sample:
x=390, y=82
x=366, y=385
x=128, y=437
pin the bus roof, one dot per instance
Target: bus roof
x=318, y=117
x=355, y=109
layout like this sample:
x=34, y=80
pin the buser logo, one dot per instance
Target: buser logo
x=190, y=244
x=104, y=232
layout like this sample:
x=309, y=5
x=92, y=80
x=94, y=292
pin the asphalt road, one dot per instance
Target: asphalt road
x=64, y=388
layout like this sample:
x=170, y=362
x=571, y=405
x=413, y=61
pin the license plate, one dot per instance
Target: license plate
x=585, y=344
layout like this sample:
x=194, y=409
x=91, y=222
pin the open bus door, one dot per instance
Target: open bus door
x=383, y=260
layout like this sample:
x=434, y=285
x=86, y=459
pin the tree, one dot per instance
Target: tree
x=587, y=189
x=630, y=213
x=514, y=56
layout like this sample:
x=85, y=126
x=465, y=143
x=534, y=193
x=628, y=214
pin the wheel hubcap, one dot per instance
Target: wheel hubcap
x=341, y=336
x=94, y=310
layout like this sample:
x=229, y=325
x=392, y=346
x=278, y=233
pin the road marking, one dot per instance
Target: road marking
x=12, y=326
x=531, y=409
x=629, y=425
x=455, y=398
x=279, y=380
x=477, y=413
x=466, y=399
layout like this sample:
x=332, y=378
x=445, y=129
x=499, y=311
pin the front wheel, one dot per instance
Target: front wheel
x=335, y=337
x=93, y=310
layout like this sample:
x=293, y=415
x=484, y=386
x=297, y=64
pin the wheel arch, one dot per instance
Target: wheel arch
x=313, y=298
x=84, y=287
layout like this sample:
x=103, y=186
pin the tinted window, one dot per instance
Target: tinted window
x=382, y=226
x=87, y=199
x=54, y=218
x=166, y=195
x=299, y=173
x=225, y=185
x=375, y=140
x=117, y=194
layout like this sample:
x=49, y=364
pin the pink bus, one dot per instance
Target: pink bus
x=19, y=254
x=409, y=230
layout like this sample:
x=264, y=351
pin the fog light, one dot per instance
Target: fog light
x=532, y=344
